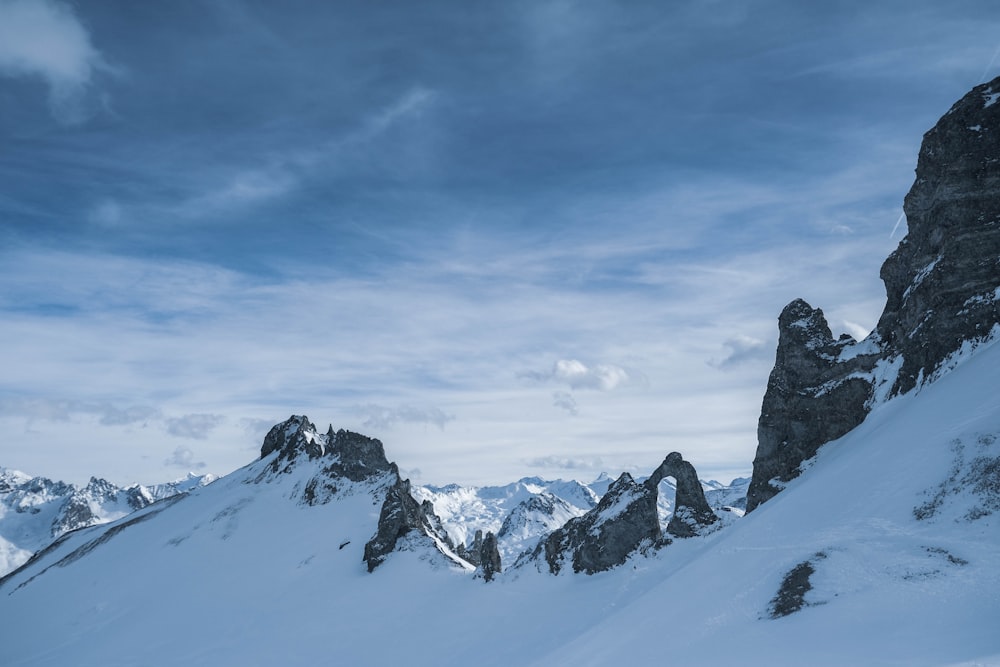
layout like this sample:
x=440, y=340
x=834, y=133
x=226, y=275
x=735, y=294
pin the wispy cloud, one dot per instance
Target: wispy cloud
x=565, y=401
x=183, y=457
x=554, y=462
x=382, y=417
x=44, y=38
x=741, y=349
x=193, y=426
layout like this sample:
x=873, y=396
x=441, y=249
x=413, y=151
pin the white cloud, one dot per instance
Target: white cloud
x=857, y=331
x=44, y=38
x=741, y=349
x=577, y=375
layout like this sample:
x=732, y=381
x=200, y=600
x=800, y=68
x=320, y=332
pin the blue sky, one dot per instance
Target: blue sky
x=509, y=238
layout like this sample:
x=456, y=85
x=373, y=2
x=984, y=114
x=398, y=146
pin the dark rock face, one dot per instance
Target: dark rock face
x=691, y=510
x=791, y=595
x=473, y=552
x=345, y=454
x=358, y=457
x=941, y=282
x=942, y=293
x=812, y=397
x=489, y=557
x=401, y=515
x=624, y=521
x=291, y=438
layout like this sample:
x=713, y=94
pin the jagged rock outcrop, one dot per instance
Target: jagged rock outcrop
x=626, y=521
x=489, y=557
x=343, y=458
x=400, y=515
x=813, y=396
x=472, y=552
x=942, y=281
x=691, y=509
x=942, y=294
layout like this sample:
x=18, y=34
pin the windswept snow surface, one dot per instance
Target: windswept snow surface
x=240, y=573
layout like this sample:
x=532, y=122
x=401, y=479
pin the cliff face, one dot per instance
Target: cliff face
x=942, y=291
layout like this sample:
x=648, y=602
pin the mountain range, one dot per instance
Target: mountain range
x=869, y=538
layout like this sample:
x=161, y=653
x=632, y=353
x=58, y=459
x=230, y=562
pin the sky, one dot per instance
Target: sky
x=523, y=238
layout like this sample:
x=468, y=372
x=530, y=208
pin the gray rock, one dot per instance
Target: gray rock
x=942, y=293
x=941, y=282
x=791, y=595
x=812, y=397
x=624, y=521
x=489, y=557
x=691, y=510
x=402, y=516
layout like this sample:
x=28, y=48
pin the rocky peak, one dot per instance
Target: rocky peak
x=815, y=394
x=296, y=435
x=343, y=454
x=942, y=281
x=343, y=458
x=942, y=294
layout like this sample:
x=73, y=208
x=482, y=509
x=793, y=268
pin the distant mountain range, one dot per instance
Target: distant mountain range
x=36, y=510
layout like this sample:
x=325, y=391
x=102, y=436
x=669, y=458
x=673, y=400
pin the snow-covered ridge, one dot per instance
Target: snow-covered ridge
x=36, y=510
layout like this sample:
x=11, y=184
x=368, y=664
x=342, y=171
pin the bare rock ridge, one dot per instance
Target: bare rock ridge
x=344, y=458
x=625, y=521
x=942, y=294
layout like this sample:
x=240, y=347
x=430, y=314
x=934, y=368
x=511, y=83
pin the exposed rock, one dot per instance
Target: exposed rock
x=942, y=294
x=345, y=454
x=942, y=281
x=624, y=521
x=291, y=438
x=342, y=458
x=489, y=557
x=400, y=516
x=691, y=510
x=473, y=552
x=812, y=397
x=791, y=595
x=357, y=457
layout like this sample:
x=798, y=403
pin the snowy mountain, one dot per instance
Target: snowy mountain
x=36, y=510
x=871, y=536
x=523, y=512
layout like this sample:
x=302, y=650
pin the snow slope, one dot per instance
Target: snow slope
x=243, y=573
x=36, y=510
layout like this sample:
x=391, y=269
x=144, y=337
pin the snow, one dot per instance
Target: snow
x=921, y=275
x=241, y=573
